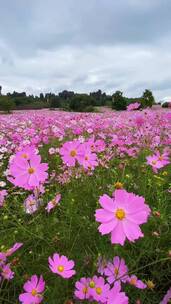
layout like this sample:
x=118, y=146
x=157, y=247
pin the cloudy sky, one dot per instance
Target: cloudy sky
x=86, y=45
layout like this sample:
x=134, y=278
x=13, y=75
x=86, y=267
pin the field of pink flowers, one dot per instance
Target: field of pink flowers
x=85, y=207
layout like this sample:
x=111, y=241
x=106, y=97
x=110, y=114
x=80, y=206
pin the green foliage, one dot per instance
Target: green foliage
x=165, y=105
x=6, y=104
x=119, y=102
x=147, y=99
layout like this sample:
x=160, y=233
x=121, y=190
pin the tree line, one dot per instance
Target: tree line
x=71, y=101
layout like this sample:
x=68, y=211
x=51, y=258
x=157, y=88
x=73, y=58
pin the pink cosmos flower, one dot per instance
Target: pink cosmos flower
x=28, y=174
x=13, y=249
x=121, y=216
x=133, y=106
x=31, y=204
x=87, y=159
x=158, y=161
x=34, y=289
x=99, y=289
x=167, y=297
x=96, y=145
x=2, y=258
x=101, y=264
x=52, y=151
x=61, y=266
x=133, y=280
x=26, y=153
x=82, y=289
x=3, y=194
x=53, y=203
x=116, y=296
x=116, y=270
x=70, y=152
x=6, y=272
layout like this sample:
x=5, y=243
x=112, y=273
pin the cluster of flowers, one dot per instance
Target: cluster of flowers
x=5, y=266
x=158, y=160
x=82, y=152
x=26, y=169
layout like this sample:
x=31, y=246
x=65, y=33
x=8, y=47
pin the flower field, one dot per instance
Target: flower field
x=85, y=207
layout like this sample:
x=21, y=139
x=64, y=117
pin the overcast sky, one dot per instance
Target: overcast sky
x=52, y=45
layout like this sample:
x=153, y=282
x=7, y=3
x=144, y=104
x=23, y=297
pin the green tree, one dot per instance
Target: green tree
x=119, y=102
x=148, y=99
x=6, y=104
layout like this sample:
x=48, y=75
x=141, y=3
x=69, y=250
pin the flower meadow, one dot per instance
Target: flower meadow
x=85, y=207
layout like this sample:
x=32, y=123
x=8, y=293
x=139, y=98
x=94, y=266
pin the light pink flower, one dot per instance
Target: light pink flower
x=31, y=204
x=116, y=296
x=61, y=266
x=28, y=174
x=99, y=291
x=53, y=203
x=34, y=289
x=87, y=159
x=167, y=297
x=116, y=270
x=6, y=272
x=82, y=289
x=121, y=216
x=3, y=194
x=70, y=152
x=133, y=106
x=134, y=281
x=13, y=249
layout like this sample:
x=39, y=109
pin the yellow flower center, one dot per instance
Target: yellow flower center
x=31, y=203
x=154, y=162
x=118, y=185
x=34, y=292
x=98, y=290
x=85, y=289
x=160, y=158
x=116, y=271
x=24, y=155
x=120, y=214
x=92, y=284
x=133, y=281
x=31, y=170
x=60, y=268
x=150, y=284
x=86, y=157
x=73, y=153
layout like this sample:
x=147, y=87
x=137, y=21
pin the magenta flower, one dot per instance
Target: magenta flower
x=2, y=258
x=6, y=272
x=116, y=270
x=70, y=152
x=53, y=203
x=3, y=194
x=34, y=289
x=82, y=289
x=134, y=281
x=121, y=216
x=61, y=266
x=13, y=249
x=28, y=173
x=167, y=297
x=116, y=296
x=99, y=289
